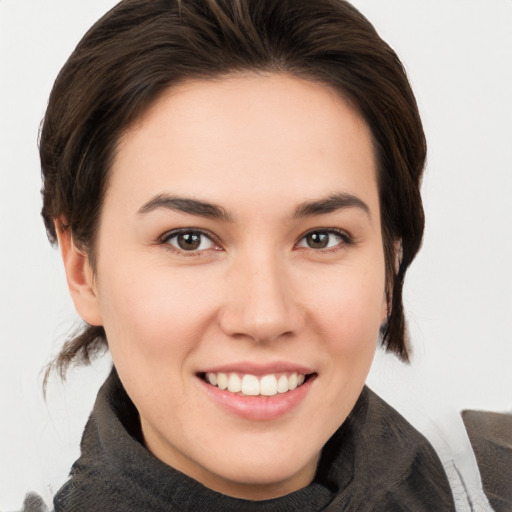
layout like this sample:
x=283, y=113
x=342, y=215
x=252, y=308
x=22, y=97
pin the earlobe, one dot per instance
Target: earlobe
x=384, y=315
x=79, y=275
x=399, y=255
x=397, y=262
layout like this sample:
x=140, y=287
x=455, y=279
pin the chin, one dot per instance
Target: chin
x=252, y=476
x=261, y=483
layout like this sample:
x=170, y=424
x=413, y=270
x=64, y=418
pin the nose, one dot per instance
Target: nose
x=261, y=303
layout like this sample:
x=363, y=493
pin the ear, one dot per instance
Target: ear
x=399, y=254
x=397, y=261
x=79, y=275
x=384, y=312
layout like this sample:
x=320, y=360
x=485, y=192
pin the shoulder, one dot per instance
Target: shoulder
x=490, y=434
x=394, y=466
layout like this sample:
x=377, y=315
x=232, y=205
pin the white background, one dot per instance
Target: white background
x=458, y=54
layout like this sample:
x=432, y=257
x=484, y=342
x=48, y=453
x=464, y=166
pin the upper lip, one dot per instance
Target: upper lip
x=259, y=369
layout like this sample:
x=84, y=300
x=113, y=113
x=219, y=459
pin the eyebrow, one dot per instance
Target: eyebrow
x=185, y=205
x=332, y=203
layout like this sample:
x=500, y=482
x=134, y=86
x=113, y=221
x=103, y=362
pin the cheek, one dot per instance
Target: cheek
x=349, y=307
x=152, y=316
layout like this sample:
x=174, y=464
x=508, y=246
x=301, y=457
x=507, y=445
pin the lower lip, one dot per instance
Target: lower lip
x=259, y=407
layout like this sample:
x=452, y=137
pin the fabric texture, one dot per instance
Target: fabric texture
x=490, y=434
x=375, y=462
x=34, y=503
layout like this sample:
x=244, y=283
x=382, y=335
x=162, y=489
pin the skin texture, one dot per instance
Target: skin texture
x=258, y=146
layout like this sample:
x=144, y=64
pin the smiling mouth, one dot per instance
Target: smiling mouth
x=252, y=385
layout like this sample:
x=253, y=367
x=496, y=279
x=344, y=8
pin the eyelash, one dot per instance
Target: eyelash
x=346, y=240
x=164, y=241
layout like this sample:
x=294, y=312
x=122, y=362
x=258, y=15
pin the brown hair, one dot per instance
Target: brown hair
x=140, y=48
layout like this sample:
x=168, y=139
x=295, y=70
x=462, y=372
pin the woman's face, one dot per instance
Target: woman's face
x=240, y=245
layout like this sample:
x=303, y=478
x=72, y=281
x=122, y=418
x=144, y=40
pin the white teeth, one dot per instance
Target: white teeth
x=222, y=380
x=282, y=384
x=250, y=385
x=268, y=385
x=234, y=383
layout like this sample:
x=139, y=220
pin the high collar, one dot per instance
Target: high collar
x=376, y=461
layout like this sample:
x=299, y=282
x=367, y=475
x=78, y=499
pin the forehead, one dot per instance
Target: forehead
x=265, y=134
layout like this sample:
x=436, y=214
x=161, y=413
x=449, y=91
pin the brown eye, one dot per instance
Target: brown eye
x=318, y=240
x=323, y=240
x=189, y=241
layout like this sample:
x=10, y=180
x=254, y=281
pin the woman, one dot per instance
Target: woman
x=234, y=187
